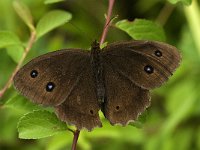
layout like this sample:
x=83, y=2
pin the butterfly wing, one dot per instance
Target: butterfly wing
x=73, y=96
x=125, y=101
x=131, y=69
x=148, y=64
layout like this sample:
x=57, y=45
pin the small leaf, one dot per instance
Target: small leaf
x=20, y=103
x=185, y=2
x=103, y=45
x=15, y=52
x=142, y=29
x=52, y=20
x=23, y=11
x=40, y=124
x=8, y=38
x=52, y=1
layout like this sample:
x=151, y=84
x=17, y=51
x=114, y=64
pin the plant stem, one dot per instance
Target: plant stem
x=27, y=49
x=192, y=14
x=107, y=24
x=75, y=139
x=165, y=13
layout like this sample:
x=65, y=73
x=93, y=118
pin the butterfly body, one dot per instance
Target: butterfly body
x=98, y=71
x=115, y=80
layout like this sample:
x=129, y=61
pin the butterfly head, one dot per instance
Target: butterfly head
x=95, y=48
x=95, y=45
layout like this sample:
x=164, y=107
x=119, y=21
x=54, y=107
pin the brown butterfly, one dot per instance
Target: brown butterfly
x=115, y=80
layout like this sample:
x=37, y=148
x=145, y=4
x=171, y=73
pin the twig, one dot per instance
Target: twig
x=27, y=49
x=107, y=24
x=75, y=139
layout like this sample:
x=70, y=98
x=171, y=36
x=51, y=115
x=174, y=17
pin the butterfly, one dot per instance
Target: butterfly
x=115, y=79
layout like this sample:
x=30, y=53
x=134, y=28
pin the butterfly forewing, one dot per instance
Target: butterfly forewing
x=148, y=64
x=50, y=78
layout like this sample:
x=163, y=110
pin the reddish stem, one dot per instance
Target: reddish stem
x=27, y=49
x=107, y=24
x=75, y=139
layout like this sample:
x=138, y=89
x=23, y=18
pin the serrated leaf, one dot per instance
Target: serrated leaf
x=185, y=2
x=52, y=20
x=40, y=124
x=8, y=38
x=15, y=52
x=20, y=103
x=141, y=29
x=24, y=13
x=52, y=1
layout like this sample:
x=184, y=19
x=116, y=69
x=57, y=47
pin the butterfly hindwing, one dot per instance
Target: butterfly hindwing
x=124, y=101
x=81, y=107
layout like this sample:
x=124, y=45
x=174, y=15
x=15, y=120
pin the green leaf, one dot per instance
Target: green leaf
x=103, y=45
x=24, y=13
x=40, y=124
x=52, y=20
x=15, y=52
x=20, y=103
x=185, y=2
x=13, y=45
x=8, y=38
x=142, y=29
x=52, y=1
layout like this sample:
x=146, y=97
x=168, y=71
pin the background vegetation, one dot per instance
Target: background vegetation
x=171, y=123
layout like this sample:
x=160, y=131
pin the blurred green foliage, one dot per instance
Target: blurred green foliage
x=172, y=121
